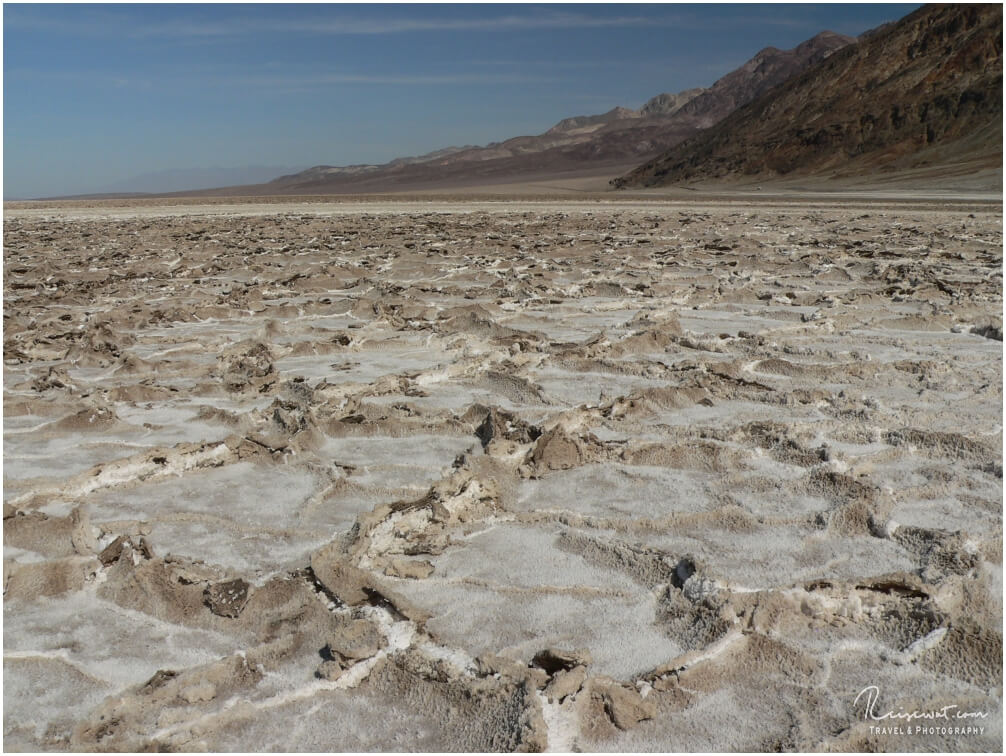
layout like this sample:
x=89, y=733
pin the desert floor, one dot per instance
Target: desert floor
x=588, y=474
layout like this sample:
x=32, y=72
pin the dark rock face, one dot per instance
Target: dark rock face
x=926, y=90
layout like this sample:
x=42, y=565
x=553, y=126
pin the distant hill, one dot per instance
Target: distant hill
x=179, y=179
x=924, y=91
x=616, y=138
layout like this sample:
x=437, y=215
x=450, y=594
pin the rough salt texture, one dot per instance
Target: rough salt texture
x=423, y=476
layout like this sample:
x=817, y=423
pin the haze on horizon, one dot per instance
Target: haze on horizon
x=98, y=95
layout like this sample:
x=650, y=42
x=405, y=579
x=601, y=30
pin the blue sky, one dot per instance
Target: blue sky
x=97, y=94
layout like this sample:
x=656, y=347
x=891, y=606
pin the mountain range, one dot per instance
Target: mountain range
x=620, y=137
x=925, y=91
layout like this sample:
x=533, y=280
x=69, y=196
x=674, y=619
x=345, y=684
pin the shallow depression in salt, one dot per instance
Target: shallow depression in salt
x=241, y=516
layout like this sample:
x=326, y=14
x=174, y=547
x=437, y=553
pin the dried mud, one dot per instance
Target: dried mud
x=644, y=477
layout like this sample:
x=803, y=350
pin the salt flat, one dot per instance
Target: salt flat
x=360, y=465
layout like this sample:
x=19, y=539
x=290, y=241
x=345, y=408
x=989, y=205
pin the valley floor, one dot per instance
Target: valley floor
x=631, y=474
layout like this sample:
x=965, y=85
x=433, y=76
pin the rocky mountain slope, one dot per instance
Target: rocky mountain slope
x=925, y=90
x=616, y=138
x=766, y=70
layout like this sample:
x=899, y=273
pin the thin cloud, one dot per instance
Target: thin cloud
x=504, y=23
x=113, y=22
x=322, y=80
x=118, y=24
x=270, y=78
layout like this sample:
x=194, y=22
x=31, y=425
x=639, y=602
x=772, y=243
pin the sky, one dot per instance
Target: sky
x=97, y=95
